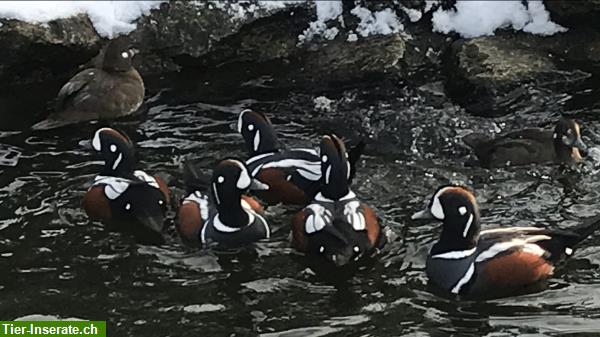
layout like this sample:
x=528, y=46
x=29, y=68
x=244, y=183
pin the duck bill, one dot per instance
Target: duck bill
x=152, y=223
x=86, y=144
x=339, y=260
x=580, y=144
x=257, y=185
x=422, y=215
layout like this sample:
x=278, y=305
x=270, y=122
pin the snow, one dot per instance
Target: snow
x=110, y=18
x=326, y=11
x=478, y=18
x=383, y=22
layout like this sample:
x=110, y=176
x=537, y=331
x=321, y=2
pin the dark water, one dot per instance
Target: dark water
x=54, y=261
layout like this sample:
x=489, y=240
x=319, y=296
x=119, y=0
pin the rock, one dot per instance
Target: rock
x=575, y=14
x=188, y=31
x=341, y=61
x=495, y=75
x=40, y=52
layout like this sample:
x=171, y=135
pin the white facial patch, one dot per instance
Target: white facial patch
x=113, y=148
x=250, y=127
x=462, y=210
x=117, y=161
x=468, y=225
x=96, y=144
x=554, y=135
x=356, y=249
x=220, y=179
x=160, y=202
x=436, y=206
x=328, y=174
x=240, y=123
x=128, y=206
x=256, y=140
x=244, y=180
x=568, y=251
x=125, y=55
x=321, y=249
x=565, y=140
x=324, y=158
x=216, y=192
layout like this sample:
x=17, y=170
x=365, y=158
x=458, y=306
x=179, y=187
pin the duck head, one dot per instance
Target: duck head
x=567, y=140
x=117, y=150
x=118, y=55
x=457, y=208
x=230, y=180
x=335, y=168
x=258, y=133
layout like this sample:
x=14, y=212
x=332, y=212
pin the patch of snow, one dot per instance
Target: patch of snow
x=326, y=11
x=414, y=15
x=352, y=37
x=540, y=20
x=110, y=18
x=383, y=22
x=478, y=18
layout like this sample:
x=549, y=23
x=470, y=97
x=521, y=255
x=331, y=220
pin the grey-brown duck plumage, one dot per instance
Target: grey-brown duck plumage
x=529, y=146
x=112, y=89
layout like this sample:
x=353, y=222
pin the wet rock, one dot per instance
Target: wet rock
x=495, y=75
x=575, y=14
x=39, y=52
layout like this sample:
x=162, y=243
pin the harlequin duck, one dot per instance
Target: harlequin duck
x=113, y=89
x=289, y=176
x=230, y=218
x=529, y=146
x=122, y=196
x=336, y=227
x=477, y=263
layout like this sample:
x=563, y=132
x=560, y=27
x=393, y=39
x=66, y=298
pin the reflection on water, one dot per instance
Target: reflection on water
x=56, y=262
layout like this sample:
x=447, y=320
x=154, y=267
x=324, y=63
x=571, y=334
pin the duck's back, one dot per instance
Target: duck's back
x=514, y=148
x=96, y=93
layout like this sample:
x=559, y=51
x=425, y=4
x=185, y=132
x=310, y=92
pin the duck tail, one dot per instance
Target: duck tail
x=587, y=228
x=353, y=157
x=194, y=179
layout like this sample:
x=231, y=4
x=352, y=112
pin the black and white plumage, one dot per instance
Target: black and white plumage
x=230, y=218
x=478, y=263
x=290, y=176
x=111, y=90
x=336, y=227
x=121, y=195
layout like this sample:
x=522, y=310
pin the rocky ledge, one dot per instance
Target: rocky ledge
x=487, y=76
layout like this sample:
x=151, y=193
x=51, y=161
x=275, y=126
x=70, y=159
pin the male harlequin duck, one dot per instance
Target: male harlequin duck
x=122, y=195
x=529, y=146
x=289, y=176
x=111, y=90
x=336, y=227
x=233, y=219
x=477, y=263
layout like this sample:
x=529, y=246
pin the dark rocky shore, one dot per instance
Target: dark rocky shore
x=487, y=76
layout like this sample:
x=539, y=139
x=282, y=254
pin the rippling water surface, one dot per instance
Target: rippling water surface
x=54, y=261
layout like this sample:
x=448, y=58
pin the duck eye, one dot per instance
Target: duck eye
x=462, y=210
x=128, y=206
x=113, y=148
x=250, y=127
x=220, y=179
x=356, y=249
x=125, y=55
x=321, y=249
x=324, y=158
